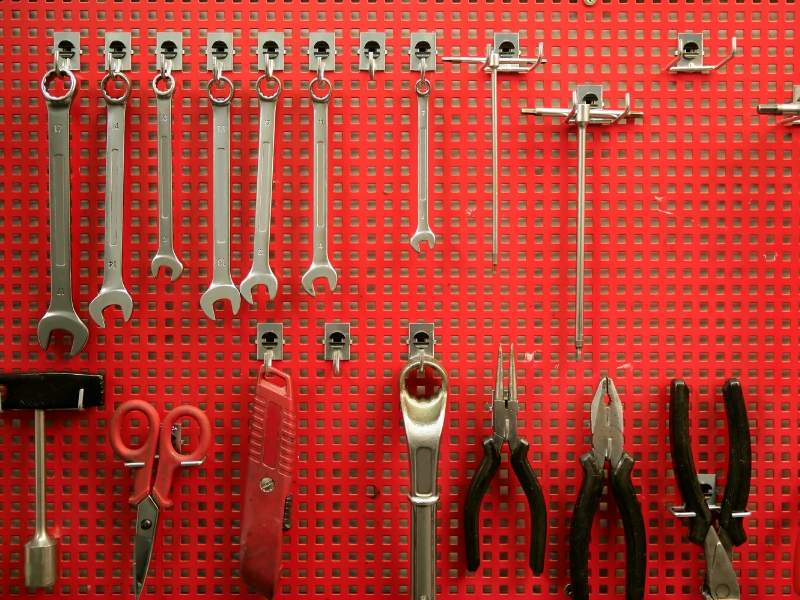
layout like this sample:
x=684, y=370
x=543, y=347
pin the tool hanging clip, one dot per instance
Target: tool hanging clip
x=372, y=53
x=690, y=52
x=337, y=344
x=502, y=57
x=269, y=342
x=587, y=109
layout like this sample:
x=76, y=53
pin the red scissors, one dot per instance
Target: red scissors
x=146, y=497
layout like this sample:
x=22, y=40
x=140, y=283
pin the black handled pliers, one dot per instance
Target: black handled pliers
x=717, y=528
x=504, y=429
x=607, y=445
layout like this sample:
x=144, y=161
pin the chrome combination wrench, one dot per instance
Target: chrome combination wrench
x=261, y=273
x=321, y=267
x=423, y=233
x=60, y=315
x=165, y=256
x=221, y=287
x=113, y=292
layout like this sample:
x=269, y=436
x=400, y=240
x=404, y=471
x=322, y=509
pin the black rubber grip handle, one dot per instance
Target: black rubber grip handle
x=536, y=505
x=580, y=531
x=472, y=506
x=50, y=391
x=737, y=484
x=635, y=536
x=683, y=463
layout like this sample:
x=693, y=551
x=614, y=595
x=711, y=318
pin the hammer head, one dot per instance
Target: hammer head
x=50, y=391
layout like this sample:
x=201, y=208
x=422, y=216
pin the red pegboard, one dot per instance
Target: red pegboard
x=692, y=271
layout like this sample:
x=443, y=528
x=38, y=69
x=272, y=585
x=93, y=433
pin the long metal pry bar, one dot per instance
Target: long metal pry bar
x=583, y=113
x=493, y=63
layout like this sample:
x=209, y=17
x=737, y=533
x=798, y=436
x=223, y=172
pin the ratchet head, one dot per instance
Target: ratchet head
x=319, y=271
x=63, y=321
x=425, y=235
x=258, y=277
x=168, y=261
x=220, y=291
x=110, y=297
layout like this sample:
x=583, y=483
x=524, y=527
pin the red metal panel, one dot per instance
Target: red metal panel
x=692, y=271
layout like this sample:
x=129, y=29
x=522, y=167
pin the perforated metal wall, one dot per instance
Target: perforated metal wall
x=692, y=271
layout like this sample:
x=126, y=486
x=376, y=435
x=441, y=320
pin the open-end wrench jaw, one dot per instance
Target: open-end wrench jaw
x=169, y=262
x=319, y=271
x=422, y=236
x=111, y=297
x=259, y=276
x=63, y=321
x=220, y=291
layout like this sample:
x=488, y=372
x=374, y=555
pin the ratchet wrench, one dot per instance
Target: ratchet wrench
x=423, y=233
x=321, y=267
x=261, y=273
x=61, y=313
x=221, y=287
x=113, y=292
x=165, y=256
x=423, y=419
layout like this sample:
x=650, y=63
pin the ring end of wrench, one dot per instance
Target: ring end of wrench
x=216, y=292
x=315, y=272
x=254, y=279
x=51, y=322
x=169, y=262
x=423, y=236
x=108, y=297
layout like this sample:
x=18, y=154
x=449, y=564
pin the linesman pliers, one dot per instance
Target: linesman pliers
x=504, y=429
x=717, y=528
x=607, y=445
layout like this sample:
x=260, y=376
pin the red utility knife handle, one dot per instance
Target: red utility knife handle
x=270, y=465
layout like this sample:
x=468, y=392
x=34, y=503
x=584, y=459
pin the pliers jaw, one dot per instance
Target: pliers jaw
x=504, y=404
x=607, y=424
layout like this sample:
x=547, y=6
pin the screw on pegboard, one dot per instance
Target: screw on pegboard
x=337, y=344
x=587, y=109
x=269, y=342
x=689, y=55
x=792, y=109
x=504, y=56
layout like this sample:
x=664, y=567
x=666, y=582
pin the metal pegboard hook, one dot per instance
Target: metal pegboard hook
x=269, y=342
x=337, y=344
x=690, y=52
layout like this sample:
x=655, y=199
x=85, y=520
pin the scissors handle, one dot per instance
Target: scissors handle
x=145, y=454
x=170, y=459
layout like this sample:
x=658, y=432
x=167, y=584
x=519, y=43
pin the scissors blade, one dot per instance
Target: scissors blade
x=146, y=522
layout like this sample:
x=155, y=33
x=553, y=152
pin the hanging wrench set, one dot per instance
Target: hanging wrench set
x=456, y=228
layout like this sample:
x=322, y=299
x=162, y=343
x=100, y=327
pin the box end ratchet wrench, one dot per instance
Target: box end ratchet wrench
x=221, y=287
x=60, y=315
x=423, y=418
x=112, y=291
x=165, y=256
x=260, y=272
x=321, y=267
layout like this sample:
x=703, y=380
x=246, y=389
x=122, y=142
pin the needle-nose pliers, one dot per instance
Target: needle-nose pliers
x=607, y=445
x=504, y=429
